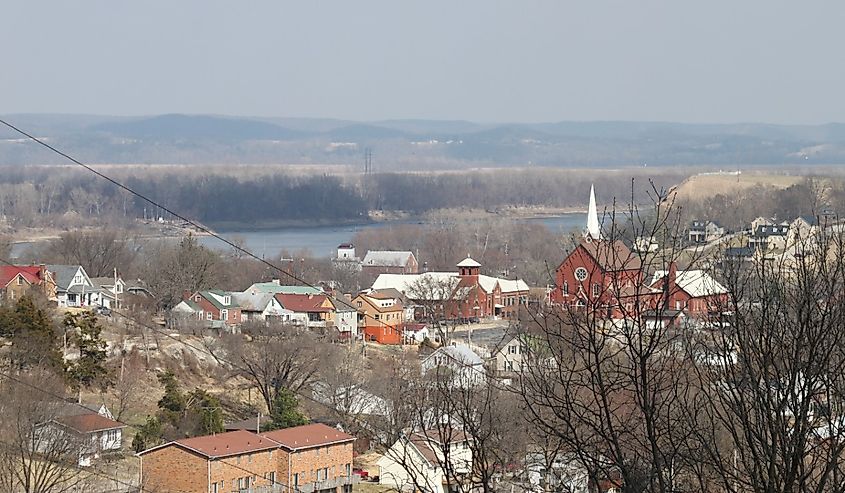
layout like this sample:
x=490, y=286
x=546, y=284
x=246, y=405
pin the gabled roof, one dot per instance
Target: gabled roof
x=395, y=307
x=89, y=423
x=307, y=436
x=63, y=274
x=252, y=302
x=696, y=283
x=387, y=258
x=303, y=303
x=273, y=287
x=222, y=444
x=408, y=284
x=459, y=353
x=31, y=273
x=386, y=293
x=611, y=256
x=424, y=442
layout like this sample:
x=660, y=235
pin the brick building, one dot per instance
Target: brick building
x=225, y=462
x=306, y=459
x=17, y=280
x=314, y=458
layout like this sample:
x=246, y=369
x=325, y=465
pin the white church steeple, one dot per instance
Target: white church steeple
x=593, y=228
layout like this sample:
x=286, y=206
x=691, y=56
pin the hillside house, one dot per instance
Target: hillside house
x=568, y=472
x=345, y=319
x=510, y=354
x=704, y=232
x=308, y=310
x=73, y=287
x=462, y=366
x=261, y=306
x=314, y=458
x=769, y=236
x=380, y=318
x=210, y=308
x=416, y=462
x=115, y=291
x=91, y=430
x=18, y=280
x=377, y=262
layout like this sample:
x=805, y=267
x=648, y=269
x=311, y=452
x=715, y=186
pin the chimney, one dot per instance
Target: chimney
x=671, y=285
x=42, y=272
x=186, y=294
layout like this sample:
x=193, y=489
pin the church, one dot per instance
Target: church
x=605, y=278
x=599, y=275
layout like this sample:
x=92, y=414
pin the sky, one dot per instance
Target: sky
x=719, y=61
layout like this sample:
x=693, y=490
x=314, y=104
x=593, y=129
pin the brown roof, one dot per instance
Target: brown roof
x=313, y=435
x=386, y=293
x=222, y=444
x=612, y=255
x=89, y=423
x=303, y=303
x=423, y=442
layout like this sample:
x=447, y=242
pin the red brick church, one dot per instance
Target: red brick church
x=605, y=277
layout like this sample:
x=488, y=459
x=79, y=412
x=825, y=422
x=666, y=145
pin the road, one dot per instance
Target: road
x=484, y=334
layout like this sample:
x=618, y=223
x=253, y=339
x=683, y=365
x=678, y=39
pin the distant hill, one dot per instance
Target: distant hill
x=419, y=144
x=188, y=127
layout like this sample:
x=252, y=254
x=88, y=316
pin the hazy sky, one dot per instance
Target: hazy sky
x=483, y=60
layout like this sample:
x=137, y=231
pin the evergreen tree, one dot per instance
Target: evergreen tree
x=207, y=412
x=35, y=341
x=149, y=435
x=90, y=368
x=173, y=403
x=285, y=412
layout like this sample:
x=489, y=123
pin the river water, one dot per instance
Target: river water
x=322, y=241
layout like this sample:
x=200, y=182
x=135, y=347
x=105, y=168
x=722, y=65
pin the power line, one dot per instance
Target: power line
x=193, y=223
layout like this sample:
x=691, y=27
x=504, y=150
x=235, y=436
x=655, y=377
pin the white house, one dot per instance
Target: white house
x=90, y=433
x=509, y=354
x=345, y=318
x=261, y=306
x=415, y=462
x=464, y=365
x=567, y=472
x=73, y=286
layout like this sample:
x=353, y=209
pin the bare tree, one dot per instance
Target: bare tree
x=36, y=454
x=773, y=372
x=602, y=372
x=275, y=358
x=98, y=252
x=437, y=297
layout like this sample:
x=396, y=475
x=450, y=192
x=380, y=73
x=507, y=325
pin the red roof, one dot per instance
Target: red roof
x=89, y=423
x=303, y=303
x=29, y=272
x=313, y=435
x=222, y=444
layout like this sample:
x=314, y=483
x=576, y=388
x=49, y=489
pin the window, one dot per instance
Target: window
x=596, y=289
x=111, y=435
x=377, y=316
x=348, y=470
x=513, y=349
x=359, y=304
x=227, y=300
x=581, y=274
x=20, y=280
x=197, y=298
x=224, y=314
x=209, y=316
x=271, y=476
x=508, y=365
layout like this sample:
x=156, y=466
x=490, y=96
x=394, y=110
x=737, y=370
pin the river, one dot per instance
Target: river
x=322, y=241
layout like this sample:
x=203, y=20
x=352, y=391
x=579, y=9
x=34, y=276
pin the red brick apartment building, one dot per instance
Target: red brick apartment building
x=314, y=458
x=306, y=459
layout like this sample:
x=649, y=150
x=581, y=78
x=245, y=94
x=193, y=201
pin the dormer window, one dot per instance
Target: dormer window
x=20, y=280
x=227, y=300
